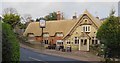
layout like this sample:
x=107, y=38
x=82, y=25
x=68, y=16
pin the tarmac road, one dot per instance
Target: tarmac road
x=29, y=56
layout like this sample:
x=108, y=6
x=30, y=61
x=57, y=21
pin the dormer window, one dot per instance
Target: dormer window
x=59, y=34
x=85, y=28
x=30, y=35
x=46, y=35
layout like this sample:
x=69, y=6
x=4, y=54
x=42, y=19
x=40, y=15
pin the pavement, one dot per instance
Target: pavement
x=74, y=55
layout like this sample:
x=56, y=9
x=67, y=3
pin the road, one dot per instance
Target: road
x=29, y=56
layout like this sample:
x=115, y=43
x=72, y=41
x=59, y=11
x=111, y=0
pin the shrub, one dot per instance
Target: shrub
x=10, y=45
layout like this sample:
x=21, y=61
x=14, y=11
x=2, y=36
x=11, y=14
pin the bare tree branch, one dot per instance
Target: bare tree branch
x=10, y=11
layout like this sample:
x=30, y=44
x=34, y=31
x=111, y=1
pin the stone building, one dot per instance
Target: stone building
x=78, y=33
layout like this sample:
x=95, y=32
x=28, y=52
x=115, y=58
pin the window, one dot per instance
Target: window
x=86, y=28
x=81, y=42
x=59, y=42
x=85, y=42
x=46, y=41
x=92, y=41
x=59, y=35
x=45, y=35
x=76, y=40
x=31, y=35
x=68, y=42
x=96, y=42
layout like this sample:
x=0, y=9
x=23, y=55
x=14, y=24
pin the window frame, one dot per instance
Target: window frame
x=85, y=41
x=45, y=34
x=59, y=34
x=86, y=28
x=76, y=40
x=46, y=41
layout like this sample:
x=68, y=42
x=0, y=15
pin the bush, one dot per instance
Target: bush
x=96, y=49
x=10, y=45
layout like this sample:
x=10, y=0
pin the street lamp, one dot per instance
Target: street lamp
x=42, y=24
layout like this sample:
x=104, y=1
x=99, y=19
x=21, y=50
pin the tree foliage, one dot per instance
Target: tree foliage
x=51, y=16
x=27, y=17
x=10, y=45
x=11, y=19
x=109, y=34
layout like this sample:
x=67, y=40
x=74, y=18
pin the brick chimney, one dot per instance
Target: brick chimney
x=74, y=17
x=58, y=15
x=62, y=15
x=97, y=17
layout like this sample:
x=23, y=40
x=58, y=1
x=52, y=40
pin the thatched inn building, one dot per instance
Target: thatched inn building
x=77, y=33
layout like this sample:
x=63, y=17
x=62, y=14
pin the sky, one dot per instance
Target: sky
x=41, y=8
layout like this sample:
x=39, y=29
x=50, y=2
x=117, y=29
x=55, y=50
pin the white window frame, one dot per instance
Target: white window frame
x=46, y=35
x=46, y=41
x=68, y=42
x=77, y=40
x=86, y=28
x=59, y=35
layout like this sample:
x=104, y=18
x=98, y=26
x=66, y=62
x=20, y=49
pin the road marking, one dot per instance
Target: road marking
x=34, y=59
x=37, y=59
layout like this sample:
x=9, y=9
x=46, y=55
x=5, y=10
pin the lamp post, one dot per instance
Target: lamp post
x=42, y=24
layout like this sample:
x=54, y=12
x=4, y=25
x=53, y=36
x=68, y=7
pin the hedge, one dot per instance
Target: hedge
x=10, y=45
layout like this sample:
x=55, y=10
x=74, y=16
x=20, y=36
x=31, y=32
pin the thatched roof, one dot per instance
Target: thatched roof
x=51, y=27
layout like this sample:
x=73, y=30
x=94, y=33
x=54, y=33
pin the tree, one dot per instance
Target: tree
x=11, y=19
x=27, y=17
x=10, y=11
x=38, y=19
x=51, y=16
x=109, y=34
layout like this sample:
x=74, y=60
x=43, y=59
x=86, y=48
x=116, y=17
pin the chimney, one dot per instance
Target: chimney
x=58, y=15
x=74, y=17
x=62, y=17
x=97, y=17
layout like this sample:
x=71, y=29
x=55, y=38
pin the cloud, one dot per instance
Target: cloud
x=60, y=0
x=40, y=9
